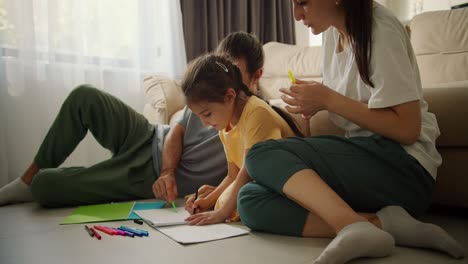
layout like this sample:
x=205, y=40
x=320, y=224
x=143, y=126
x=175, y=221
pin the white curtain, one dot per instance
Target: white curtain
x=48, y=47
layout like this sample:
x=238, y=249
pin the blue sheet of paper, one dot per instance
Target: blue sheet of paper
x=145, y=206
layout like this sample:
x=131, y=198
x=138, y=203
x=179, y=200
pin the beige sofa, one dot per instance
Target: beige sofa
x=440, y=40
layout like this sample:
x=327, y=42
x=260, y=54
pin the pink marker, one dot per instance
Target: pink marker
x=106, y=230
x=119, y=232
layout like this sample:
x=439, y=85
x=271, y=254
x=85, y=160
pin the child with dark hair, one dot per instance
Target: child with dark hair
x=215, y=91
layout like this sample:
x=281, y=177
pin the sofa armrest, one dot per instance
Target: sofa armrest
x=164, y=97
x=449, y=102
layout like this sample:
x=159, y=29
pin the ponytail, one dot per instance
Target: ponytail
x=291, y=122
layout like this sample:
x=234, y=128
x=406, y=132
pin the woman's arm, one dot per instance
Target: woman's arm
x=401, y=123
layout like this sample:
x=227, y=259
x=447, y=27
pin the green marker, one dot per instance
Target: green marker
x=174, y=207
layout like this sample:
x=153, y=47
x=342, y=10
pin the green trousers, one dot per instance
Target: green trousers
x=368, y=173
x=127, y=175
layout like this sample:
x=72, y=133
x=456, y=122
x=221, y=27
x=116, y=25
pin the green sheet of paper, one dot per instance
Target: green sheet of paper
x=99, y=213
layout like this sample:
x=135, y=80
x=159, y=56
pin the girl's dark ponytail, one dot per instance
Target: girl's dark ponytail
x=291, y=122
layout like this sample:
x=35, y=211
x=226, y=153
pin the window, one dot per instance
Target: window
x=89, y=32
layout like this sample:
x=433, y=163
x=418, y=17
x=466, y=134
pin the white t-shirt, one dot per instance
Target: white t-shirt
x=395, y=75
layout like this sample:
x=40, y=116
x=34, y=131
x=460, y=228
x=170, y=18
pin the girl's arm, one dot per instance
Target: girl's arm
x=220, y=215
x=401, y=123
x=205, y=203
x=231, y=203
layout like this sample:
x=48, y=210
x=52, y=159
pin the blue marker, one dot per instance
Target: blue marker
x=131, y=230
x=144, y=232
x=130, y=234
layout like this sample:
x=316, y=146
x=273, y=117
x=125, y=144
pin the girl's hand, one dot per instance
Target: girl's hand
x=306, y=98
x=207, y=218
x=189, y=199
x=203, y=192
x=202, y=205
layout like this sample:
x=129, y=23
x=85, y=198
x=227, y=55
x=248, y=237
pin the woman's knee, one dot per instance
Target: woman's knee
x=263, y=209
x=260, y=157
x=250, y=199
x=271, y=163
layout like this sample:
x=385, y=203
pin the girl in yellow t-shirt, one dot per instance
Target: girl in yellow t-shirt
x=215, y=92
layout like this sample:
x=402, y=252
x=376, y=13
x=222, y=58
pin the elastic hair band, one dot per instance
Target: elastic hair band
x=222, y=66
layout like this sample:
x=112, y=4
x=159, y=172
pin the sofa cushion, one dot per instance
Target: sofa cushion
x=304, y=62
x=440, y=41
x=164, y=97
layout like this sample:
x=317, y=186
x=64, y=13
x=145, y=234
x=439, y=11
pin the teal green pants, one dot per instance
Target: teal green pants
x=366, y=172
x=127, y=175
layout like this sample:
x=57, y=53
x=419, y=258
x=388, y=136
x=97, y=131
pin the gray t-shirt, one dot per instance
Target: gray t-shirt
x=202, y=161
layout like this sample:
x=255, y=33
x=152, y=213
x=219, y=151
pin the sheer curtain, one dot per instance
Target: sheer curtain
x=48, y=47
x=405, y=10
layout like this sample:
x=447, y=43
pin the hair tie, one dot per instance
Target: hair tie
x=222, y=66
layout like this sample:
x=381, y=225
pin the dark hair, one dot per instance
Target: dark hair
x=358, y=21
x=243, y=45
x=209, y=76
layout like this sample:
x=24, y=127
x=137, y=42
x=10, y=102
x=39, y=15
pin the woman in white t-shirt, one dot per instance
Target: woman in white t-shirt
x=331, y=186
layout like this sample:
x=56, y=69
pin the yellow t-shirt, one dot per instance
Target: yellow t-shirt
x=258, y=122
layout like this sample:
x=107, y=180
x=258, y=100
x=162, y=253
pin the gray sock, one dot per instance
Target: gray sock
x=15, y=192
x=410, y=232
x=361, y=239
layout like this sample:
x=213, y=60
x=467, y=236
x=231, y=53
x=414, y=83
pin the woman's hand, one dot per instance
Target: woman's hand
x=306, y=98
x=201, y=204
x=208, y=218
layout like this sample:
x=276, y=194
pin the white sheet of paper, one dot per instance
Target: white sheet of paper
x=164, y=216
x=196, y=234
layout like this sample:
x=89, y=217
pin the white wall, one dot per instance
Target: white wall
x=458, y=2
x=403, y=9
x=431, y=5
x=302, y=33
